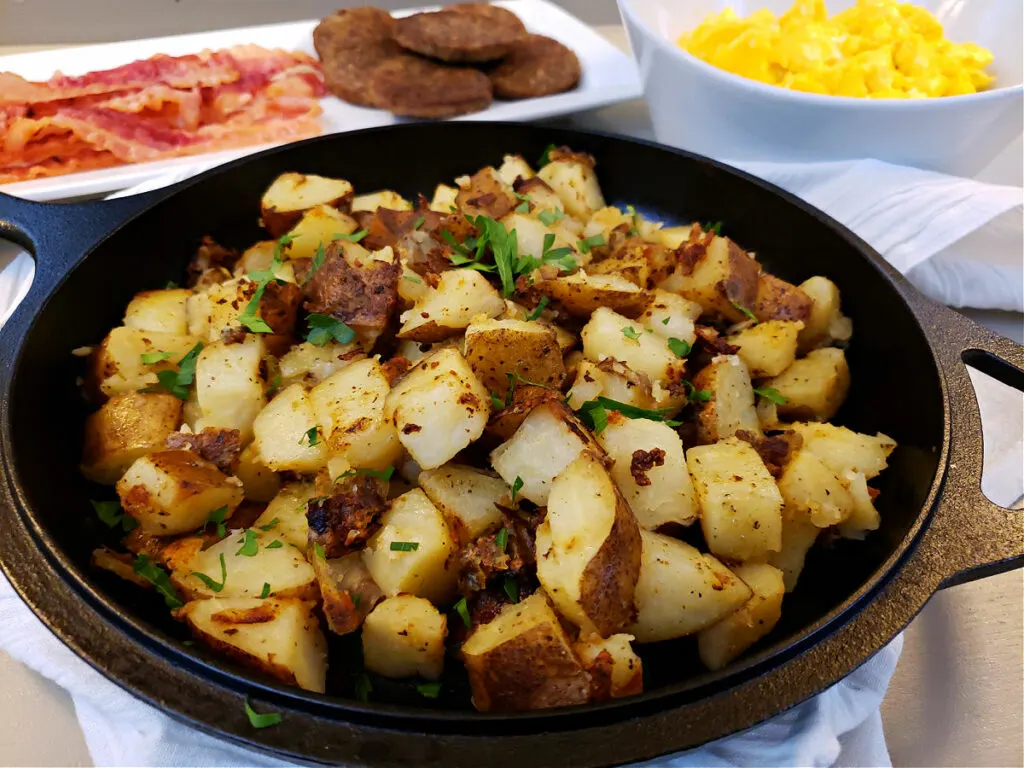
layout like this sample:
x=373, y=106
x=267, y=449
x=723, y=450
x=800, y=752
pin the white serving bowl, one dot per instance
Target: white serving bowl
x=712, y=112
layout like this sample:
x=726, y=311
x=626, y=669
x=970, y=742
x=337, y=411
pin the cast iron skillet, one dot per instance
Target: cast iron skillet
x=909, y=379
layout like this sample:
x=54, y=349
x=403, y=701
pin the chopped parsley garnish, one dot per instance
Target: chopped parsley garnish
x=517, y=486
x=678, y=347
x=429, y=690
x=324, y=328
x=412, y=279
x=539, y=309
x=560, y=257
x=634, y=218
x=112, y=515
x=170, y=285
x=380, y=474
x=355, y=237
x=258, y=720
x=318, y=261
x=545, y=157
x=319, y=550
x=210, y=583
x=513, y=379
x=217, y=517
x=158, y=577
x=696, y=395
x=593, y=413
x=463, y=610
x=594, y=241
x=502, y=538
x=713, y=226
x=631, y=333
x=750, y=315
x=275, y=544
x=271, y=525
x=275, y=385
x=496, y=402
x=311, y=437
x=773, y=395
x=404, y=546
x=177, y=382
x=363, y=688
x=263, y=278
x=250, y=544
x=511, y=587
x=150, y=358
x=523, y=207
x=265, y=592
x=504, y=247
x=419, y=222
x=665, y=321
x=548, y=217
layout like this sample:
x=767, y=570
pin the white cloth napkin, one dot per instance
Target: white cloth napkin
x=958, y=240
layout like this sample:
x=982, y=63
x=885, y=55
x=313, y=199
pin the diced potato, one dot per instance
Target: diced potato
x=485, y=193
x=797, y=538
x=414, y=351
x=767, y=348
x=447, y=310
x=229, y=386
x=444, y=198
x=673, y=237
x=605, y=336
x=171, y=492
x=740, y=505
x=283, y=432
x=514, y=167
x=292, y=194
x=731, y=407
x=288, y=508
x=588, y=549
x=574, y=181
x=119, y=564
x=614, y=668
x=632, y=262
x=613, y=380
x=308, y=364
x=261, y=257
x=812, y=492
x=531, y=232
x=723, y=279
x=864, y=517
x=547, y=441
x=403, y=637
x=497, y=348
x=467, y=497
x=681, y=590
x=428, y=568
x=650, y=471
x=128, y=426
x=671, y=316
x=349, y=407
x=259, y=482
x=439, y=407
x=814, y=386
x=383, y=199
x=581, y=294
x=279, y=637
x=225, y=303
x=411, y=286
x=826, y=322
x=523, y=660
x=844, y=450
x=161, y=311
x=778, y=300
x=347, y=591
x=116, y=365
x=720, y=644
x=318, y=226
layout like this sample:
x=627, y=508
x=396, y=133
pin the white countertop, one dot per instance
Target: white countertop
x=956, y=698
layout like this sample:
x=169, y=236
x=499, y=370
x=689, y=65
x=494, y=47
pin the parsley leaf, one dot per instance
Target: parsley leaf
x=665, y=321
x=158, y=577
x=504, y=246
x=750, y=315
x=275, y=544
x=150, y=358
x=112, y=515
x=545, y=157
x=355, y=237
x=380, y=474
x=523, y=207
x=412, y=278
x=536, y=312
x=170, y=285
x=696, y=395
x=257, y=720
x=363, y=688
x=217, y=517
x=463, y=610
x=502, y=539
x=274, y=385
x=517, y=486
x=210, y=583
x=588, y=410
x=548, y=217
x=318, y=261
x=429, y=690
x=324, y=328
x=496, y=402
x=419, y=222
x=511, y=587
x=404, y=546
x=271, y=525
x=771, y=394
x=178, y=382
x=678, y=347
x=262, y=278
x=631, y=333
x=594, y=241
x=715, y=227
x=560, y=257
x=319, y=550
x=250, y=544
x=311, y=437
x=265, y=592
x=635, y=219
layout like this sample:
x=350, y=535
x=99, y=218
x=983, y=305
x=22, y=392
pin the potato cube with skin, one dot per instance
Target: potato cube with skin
x=523, y=660
x=798, y=536
x=349, y=407
x=125, y=428
x=413, y=551
x=573, y=179
x=347, y=591
x=531, y=233
x=671, y=316
x=229, y=386
x=814, y=386
x=767, y=348
x=615, y=670
x=439, y=407
x=382, y=199
x=162, y=311
x=116, y=365
x=609, y=334
x=613, y=380
x=812, y=492
x=279, y=637
x=467, y=497
x=778, y=300
x=288, y=508
x=292, y=194
x=317, y=227
x=825, y=322
x=731, y=405
x=283, y=431
x=514, y=167
x=259, y=481
x=844, y=450
x=588, y=549
x=443, y=200
x=723, y=279
x=581, y=294
x=740, y=505
x=404, y=637
x=681, y=590
x=172, y=492
x=485, y=193
x=720, y=644
x=548, y=440
x=497, y=348
x=864, y=518
x=650, y=471
x=447, y=310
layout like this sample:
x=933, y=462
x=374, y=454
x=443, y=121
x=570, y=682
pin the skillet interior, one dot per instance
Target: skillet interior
x=896, y=387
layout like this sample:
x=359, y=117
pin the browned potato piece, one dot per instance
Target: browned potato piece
x=767, y=348
x=347, y=591
x=723, y=279
x=812, y=492
x=613, y=380
x=844, y=450
x=588, y=549
x=615, y=670
x=778, y=300
x=119, y=564
x=864, y=518
x=317, y=226
x=172, y=492
x=826, y=322
x=814, y=386
x=610, y=335
x=581, y=294
x=522, y=660
x=485, y=193
x=160, y=311
x=720, y=644
x=496, y=348
x=467, y=497
x=287, y=434
x=447, y=310
x=128, y=426
x=259, y=481
x=279, y=637
x=404, y=636
x=292, y=194
x=116, y=365
x=731, y=407
x=525, y=399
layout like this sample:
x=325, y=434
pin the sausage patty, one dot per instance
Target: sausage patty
x=535, y=66
x=351, y=43
x=470, y=32
x=416, y=87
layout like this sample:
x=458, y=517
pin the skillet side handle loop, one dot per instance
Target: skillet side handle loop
x=972, y=537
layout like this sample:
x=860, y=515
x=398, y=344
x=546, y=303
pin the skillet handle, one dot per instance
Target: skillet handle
x=970, y=537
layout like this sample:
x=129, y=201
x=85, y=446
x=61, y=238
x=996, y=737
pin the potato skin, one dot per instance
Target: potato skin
x=778, y=300
x=497, y=348
x=612, y=574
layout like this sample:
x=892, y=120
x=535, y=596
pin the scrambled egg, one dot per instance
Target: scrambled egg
x=876, y=49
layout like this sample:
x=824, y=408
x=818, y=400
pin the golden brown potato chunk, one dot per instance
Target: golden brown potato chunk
x=128, y=426
x=497, y=348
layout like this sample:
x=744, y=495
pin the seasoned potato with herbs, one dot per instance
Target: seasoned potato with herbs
x=814, y=386
x=160, y=311
x=443, y=200
x=309, y=364
x=287, y=434
x=514, y=167
x=523, y=660
x=280, y=637
x=467, y=497
x=292, y=194
x=844, y=450
x=778, y=300
x=610, y=335
x=229, y=386
x=730, y=405
x=485, y=193
x=259, y=481
x=447, y=310
x=170, y=492
x=723, y=280
x=613, y=380
x=572, y=177
x=615, y=669
x=740, y=505
x=671, y=316
x=285, y=515
x=317, y=227
x=129, y=359
x=723, y=642
x=767, y=348
x=581, y=293
x=798, y=537
x=812, y=492
x=500, y=349
x=126, y=427
x=403, y=637
x=347, y=591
